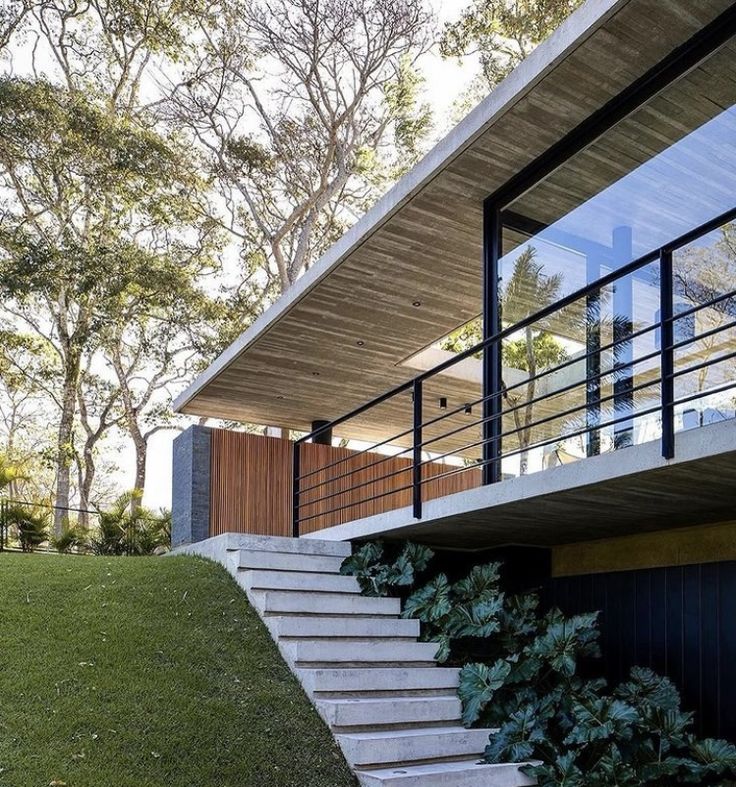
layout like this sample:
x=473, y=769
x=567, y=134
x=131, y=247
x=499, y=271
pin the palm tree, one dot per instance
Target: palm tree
x=529, y=291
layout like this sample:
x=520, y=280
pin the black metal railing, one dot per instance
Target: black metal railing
x=657, y=394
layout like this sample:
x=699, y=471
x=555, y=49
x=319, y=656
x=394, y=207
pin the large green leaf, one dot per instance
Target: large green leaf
x=475, y=619
x=431, y=602
x=480, y=582
x=478, y=684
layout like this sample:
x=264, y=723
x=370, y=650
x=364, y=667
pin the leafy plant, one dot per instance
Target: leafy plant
x=31, y=526
x=126, y=529
x=72, y=538
x=524, y=681
x=377, y=576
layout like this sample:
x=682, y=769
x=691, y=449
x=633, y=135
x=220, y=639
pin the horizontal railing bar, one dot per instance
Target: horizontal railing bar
x=542, y=444
x=544, y=397
x=703, y=394
x=356, y=503
x=530, y=447
x=522, y=405
x=533, y=425
x=592, y=353
x=357, y=469
x=479, y=422
x=454, y=452
x=362, y=484
x=699, y=306
x=356, y=454
x=703, y=335
x=703, y=364
x=13, y=501
x=553, y=417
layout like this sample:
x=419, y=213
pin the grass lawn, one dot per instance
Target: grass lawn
x=123, y=672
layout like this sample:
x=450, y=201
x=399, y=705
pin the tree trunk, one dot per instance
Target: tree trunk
x=141, y=458
x=86, y=481
x=64, y=440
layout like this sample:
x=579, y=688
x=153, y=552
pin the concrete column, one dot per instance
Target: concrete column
x=190, y=501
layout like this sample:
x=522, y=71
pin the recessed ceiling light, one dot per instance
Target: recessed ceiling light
x=416, y=303
x=360, y=342
x=279, y=397
x=315, y=374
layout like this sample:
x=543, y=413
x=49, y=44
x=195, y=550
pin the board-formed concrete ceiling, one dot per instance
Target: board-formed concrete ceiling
x=339, y=337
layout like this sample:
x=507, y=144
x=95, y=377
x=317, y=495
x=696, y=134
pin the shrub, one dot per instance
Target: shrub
x=73, y=538
x=521, y=676
x=126, y=528
x=31, y=526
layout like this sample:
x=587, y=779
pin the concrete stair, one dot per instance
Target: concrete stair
x=394, y=712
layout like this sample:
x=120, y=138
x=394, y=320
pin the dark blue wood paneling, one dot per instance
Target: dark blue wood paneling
x=680, y=621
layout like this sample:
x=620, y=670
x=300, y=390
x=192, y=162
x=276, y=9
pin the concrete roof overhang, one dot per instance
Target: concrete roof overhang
x=421, y=243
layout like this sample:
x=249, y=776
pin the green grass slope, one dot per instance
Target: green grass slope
x=146, y=672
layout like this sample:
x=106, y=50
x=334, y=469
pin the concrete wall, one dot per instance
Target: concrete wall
x=679, y=547
x=190, y=503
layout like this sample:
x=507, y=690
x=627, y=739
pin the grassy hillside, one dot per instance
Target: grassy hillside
x=147, y=672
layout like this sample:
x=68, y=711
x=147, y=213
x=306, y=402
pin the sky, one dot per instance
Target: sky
x=446, y=81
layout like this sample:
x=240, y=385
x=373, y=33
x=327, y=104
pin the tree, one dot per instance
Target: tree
x=98, y=206
x=704, y=273
x=153, y=346
x=530, y=290
x=503, y=33
x=13, y=13
x=304, y=110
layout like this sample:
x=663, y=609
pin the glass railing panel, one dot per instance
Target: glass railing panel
x=705, y=335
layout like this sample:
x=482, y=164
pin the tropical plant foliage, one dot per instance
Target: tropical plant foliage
x=522, y=676
x=31, y=526
x=129, y=529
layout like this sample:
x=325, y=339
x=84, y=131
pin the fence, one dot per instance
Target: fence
x=10, y=517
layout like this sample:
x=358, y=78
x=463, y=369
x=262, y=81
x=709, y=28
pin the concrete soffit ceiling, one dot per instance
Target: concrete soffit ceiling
x=409, y=271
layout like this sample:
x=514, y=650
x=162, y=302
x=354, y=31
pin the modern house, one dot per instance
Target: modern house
x=575, y=238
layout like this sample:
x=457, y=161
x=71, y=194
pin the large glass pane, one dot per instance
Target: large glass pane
x=591, y=388
x=667, y=168
x=705, y=336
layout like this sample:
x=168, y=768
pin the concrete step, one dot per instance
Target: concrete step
x=286, y=561
x=380, y=679
x=356, y=651
x=297, y=580
x=465, y=773
x=314, y=627
x=341, y=713
x=402, y=746
x=275, y=602
x=299, y=546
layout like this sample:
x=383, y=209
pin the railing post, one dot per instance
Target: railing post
x=417, y=453
x=295, y=481
x=667, y=362
x=3, y=523
x=492, y=408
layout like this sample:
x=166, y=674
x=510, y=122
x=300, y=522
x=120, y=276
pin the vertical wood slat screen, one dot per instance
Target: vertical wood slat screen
x=250, y=488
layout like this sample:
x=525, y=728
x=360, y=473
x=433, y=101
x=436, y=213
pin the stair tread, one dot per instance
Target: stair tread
x=416, y=732
x=390, y=700
x=467, y=771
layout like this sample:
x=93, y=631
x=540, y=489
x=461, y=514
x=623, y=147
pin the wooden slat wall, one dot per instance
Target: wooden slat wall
x=250, y=488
